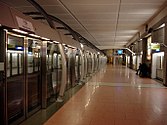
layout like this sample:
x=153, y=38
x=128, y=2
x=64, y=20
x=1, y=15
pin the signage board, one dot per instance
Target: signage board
x=25, y=24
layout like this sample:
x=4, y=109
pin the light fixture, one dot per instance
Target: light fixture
x=81, y=45
x=45, y=38
x=20, y=31
x=55, y=42
x=50, y=42
x=34, y=35
x=161, y=26
x=19, y=47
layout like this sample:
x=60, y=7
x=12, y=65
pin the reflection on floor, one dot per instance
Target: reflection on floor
x=115, y=96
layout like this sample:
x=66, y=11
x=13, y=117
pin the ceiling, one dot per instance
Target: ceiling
x=107, y=24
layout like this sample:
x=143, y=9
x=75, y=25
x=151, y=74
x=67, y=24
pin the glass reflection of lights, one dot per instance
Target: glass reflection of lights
x=55, y=42
x=12, y=51
x=19, y=47
x=34, y=35
x=81, y=45
x=30, y=53
x=87, y=103
x=45, y=38
x=19, y=31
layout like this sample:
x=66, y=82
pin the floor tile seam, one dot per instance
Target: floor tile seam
x=125, y=85
x=132, y=87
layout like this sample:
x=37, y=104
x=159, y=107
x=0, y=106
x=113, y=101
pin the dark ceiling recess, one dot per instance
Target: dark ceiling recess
x=42, y=14
x=42, y=11
x=39, y=18
x=67, y=34
x=32, y=13
x=63, y=28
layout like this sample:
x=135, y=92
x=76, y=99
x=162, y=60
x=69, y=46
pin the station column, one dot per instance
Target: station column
x=165, y=55
x=144, y=48
x=3, y=115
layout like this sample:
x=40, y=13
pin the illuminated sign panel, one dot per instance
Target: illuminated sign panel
x=155, y=46
x=119, y=52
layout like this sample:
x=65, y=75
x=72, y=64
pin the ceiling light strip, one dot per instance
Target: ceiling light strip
x=117, y=20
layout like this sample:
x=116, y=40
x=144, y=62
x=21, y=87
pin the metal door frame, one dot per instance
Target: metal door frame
x=6, y=94
x=25, y=75
x=28, y=114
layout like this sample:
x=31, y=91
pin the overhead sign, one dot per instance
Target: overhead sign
x=155, y=46
x=24, y=24
x=119, y=52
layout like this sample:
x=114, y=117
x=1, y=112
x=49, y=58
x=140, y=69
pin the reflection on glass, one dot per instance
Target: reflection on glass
x=34, y=81
x=54, y=60
x=54, y=69
x=15, y=78
x=33, y=56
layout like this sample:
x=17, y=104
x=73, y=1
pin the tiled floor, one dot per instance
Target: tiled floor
x=115, y=96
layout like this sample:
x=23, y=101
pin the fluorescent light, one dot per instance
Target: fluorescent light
x=30, y=53
x=81, y=45
x=64, y=44
x=161, y=26
x=45, y=38
x=20, y=31
x=55, y=42
x=72, y=46
x=34, y=35
x=13, y=51
x=50, y=42
x=19, y=48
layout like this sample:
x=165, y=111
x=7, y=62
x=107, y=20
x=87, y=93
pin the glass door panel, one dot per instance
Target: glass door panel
x=59, y=72
x=15, y=78
x=53, y=71
x=34, y=74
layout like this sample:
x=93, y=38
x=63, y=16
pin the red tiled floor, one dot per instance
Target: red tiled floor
x=115, y=96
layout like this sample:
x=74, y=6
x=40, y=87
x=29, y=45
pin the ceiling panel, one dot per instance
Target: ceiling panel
x=48, y=2
x=17, y=3
x=141, y=8
x=54, y=9
x=111, y=17
x=26, y=9
x=143, y=1
x=90, y=2
x=83, y=9
x=99, y=21
x=134, y=17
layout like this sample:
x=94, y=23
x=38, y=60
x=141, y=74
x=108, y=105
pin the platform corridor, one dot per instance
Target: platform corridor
x=115, y=96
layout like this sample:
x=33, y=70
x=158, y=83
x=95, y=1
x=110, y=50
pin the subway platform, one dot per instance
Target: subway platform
x=115, y=96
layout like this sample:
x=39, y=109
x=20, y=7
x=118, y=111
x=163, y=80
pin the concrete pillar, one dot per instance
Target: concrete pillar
x=165, y=68
x=165, y=56
x=3, y=85
x=131, y=60
x=144, y=48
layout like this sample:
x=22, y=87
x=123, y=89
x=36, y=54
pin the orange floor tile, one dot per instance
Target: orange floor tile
x=115, y=96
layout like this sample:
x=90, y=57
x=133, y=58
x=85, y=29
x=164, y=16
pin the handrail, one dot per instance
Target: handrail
x=164, y=45
x=130, y=51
